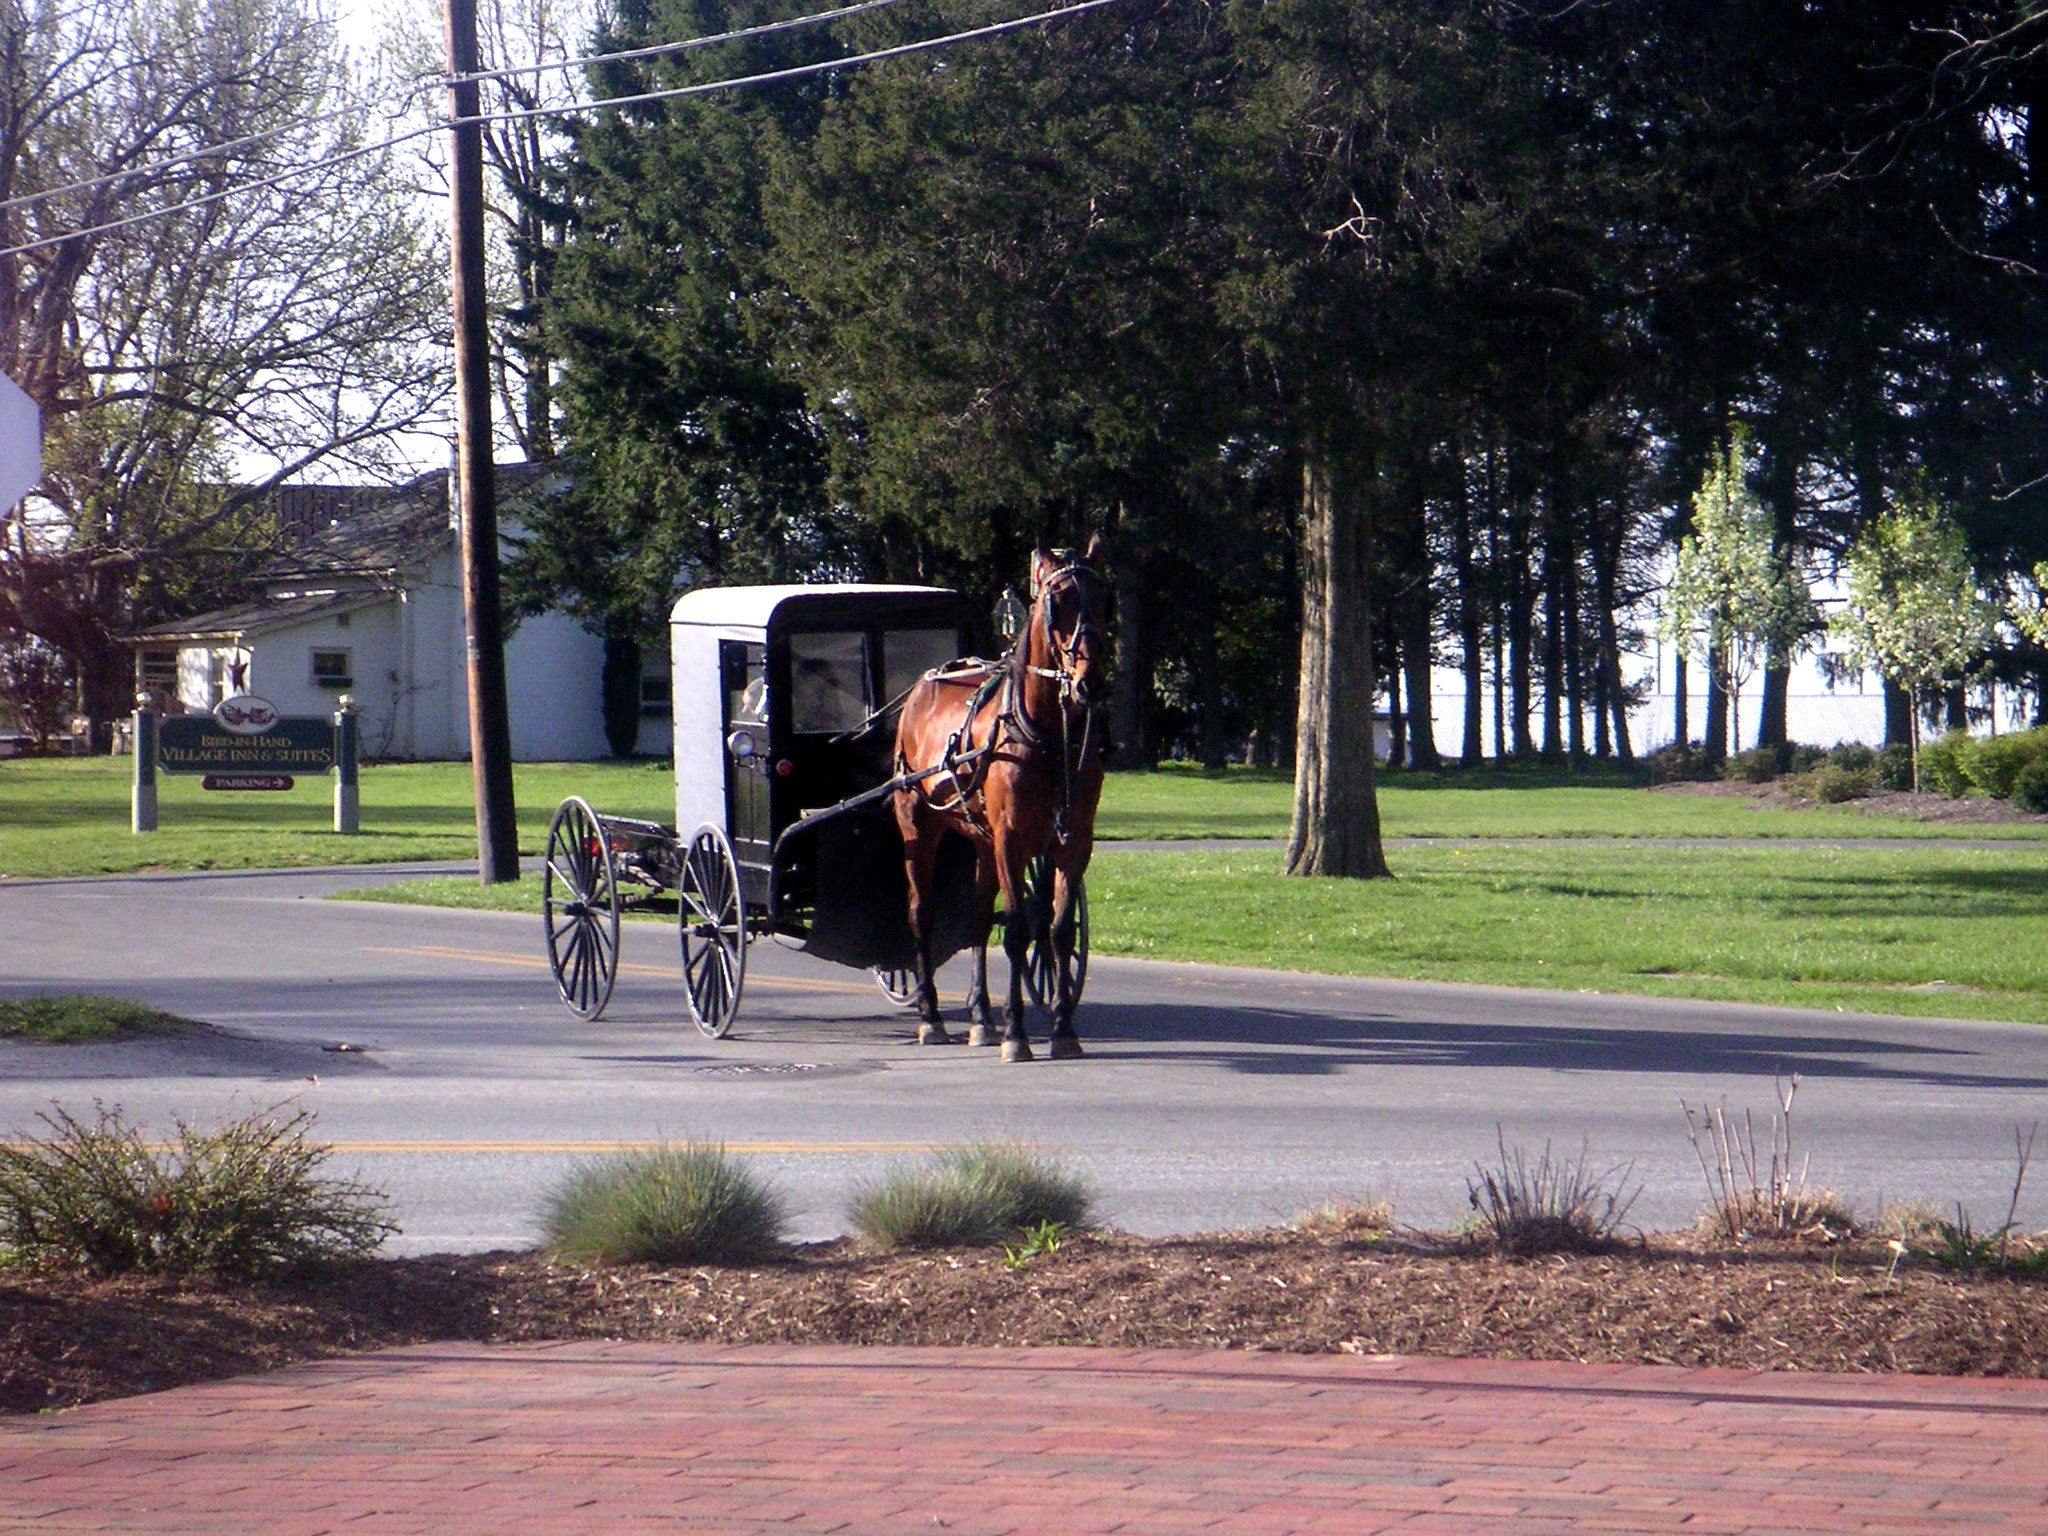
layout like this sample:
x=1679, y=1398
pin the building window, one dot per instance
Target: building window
x=159, y=673
x=654, y=693
x=331, y=670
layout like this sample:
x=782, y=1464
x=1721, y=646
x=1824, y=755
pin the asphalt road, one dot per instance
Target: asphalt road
x=1211, y=1098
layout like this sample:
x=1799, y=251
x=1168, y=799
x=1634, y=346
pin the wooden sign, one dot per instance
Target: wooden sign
x=245, y=735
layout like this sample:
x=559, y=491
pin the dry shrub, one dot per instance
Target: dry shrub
x=1798, y=1212
x=1342, y=1219
x=691, y=1204
x=240, y=1200
x=1553, y=1205
x=969, y=1196
x=1751, y=1188
x=1909, y=1221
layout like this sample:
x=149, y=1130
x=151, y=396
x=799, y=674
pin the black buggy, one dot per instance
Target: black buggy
x=784, y=745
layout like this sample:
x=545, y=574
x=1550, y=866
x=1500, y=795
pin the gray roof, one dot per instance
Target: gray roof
x=233, y=623
x=365, y=550
x=380, y=540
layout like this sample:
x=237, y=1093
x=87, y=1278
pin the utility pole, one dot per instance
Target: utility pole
x=490, y=732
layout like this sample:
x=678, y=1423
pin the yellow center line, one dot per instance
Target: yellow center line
x=626, y=968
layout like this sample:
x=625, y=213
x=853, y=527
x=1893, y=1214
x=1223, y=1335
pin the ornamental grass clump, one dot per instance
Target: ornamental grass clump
x=688, y=1204
x=970, y=1197
x=1551, y=1205
x=240, y=1201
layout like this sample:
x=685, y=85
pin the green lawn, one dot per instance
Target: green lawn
x=71, y=1017
x=70, y=816
x=1184, y=802
x=1857, y=929
x=1814, y=927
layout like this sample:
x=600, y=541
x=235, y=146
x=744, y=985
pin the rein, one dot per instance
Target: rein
x=1007, y=676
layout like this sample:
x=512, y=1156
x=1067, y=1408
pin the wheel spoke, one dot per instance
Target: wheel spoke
x=572, y=978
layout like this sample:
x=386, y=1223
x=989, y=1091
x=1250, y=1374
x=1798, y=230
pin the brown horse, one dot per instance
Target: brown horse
x=1020, y=772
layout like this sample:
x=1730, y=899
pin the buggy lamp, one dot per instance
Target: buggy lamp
x=784, y=768
x=1010, y=614
x=741, y=745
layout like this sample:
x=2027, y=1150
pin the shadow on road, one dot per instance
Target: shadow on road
x=1267, y=1041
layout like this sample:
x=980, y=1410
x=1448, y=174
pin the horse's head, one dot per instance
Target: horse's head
x=1068, y=593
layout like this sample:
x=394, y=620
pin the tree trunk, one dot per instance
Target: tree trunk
x=1574, y=649
x=1521, y=623
x=1500, y=695
x=1717, y=713
x=1415, y=654
x=1681, y=725
x=1397, y=716
x=1772, y=723
x=1131, y=688
x=1209, y=691
x=1898, y=715
x=1603, y=742
x=1471, y=658
x=621, y=689
x=1336, y=828
x=1781, y=491
x=1553, y=652
x=1613, y=703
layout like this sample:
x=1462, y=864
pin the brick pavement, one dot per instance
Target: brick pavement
x=564, y=1439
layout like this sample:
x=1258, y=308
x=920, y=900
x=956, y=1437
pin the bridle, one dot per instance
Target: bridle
x=1083, y=642
x=1006, y=679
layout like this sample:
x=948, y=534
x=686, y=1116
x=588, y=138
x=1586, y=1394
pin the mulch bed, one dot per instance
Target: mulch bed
x=1668, y=1301
x=1916, y=805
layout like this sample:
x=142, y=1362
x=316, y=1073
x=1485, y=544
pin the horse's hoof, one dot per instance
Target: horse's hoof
x=933, y=1034
x=1017, y=1050
x=1064, y=1047
x=982, y=1034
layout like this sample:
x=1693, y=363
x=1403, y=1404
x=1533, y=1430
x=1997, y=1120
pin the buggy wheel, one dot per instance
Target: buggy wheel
x=579, y=898
x=714, y=931
x=899, y=986
x=1041, y=964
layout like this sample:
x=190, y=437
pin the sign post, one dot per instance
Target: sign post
x=348, y=810
x=142, y=803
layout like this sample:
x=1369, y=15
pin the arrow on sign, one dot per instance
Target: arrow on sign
x=21, y=443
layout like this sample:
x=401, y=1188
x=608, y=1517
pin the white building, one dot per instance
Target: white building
x=371, y=606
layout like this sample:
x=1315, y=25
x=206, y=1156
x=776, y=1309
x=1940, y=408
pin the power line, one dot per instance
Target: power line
x=156, y=167
x=661, y=49
x=438, y=82
x=799, y=71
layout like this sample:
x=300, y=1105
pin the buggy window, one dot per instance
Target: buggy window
x=907, y=654
x=828, y=682
x=746, y=683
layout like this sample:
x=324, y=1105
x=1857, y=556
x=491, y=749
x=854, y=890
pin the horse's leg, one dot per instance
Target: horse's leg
x=920, y=859
x=1065, y=927
x=980, y=1031
x=1016, y=945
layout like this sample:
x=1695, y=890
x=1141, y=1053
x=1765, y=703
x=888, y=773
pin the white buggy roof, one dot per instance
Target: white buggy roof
x=751, y=607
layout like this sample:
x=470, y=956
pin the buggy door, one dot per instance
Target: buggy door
x=743, y=685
